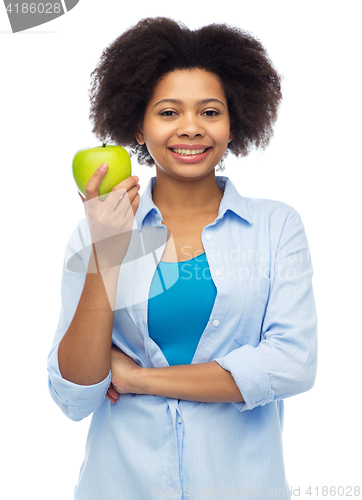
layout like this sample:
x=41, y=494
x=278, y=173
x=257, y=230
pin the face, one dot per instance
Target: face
x=186, y=125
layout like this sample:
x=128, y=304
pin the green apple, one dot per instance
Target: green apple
x=87, y=160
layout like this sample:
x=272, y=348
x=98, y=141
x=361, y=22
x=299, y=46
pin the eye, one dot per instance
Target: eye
x=211, y=112
x=168, y=112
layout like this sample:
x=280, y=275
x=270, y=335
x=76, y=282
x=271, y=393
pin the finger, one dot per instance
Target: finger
x=81, y=197
x=133, y=206
x=118, y=192
x=126, y=201
x=91, y=189
x=112, y=400
x=135, y=203
x=113, y=393
x=126, y=184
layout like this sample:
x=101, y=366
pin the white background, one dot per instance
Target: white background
x=312, y=164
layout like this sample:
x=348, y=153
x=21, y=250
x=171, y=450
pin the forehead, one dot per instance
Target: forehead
x=189, y=84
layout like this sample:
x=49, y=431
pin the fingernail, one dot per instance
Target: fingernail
x=104, y=167
x=135, y=177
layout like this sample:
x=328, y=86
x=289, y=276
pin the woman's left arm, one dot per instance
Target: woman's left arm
x=283, y=364
x=203, y=382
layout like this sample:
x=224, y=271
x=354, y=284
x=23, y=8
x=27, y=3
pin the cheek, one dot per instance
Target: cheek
x=225, y=133
x=222, y=136
x=154, y=135
x=154, y=144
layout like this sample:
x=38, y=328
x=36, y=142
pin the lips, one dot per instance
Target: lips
x=188, y=153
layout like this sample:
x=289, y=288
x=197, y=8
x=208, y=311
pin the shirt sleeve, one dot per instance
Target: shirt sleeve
x=284, y=363
x=76, y=401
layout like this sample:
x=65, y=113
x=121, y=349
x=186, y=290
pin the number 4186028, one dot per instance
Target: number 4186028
x=334, y=491
x=33, y=8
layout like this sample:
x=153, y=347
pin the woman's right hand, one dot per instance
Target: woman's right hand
x=110, y=221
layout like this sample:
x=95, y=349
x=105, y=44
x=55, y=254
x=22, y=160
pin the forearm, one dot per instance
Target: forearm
x=203, y=382
x=84, y=352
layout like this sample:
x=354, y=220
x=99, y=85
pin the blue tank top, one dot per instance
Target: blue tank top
x=178, y=315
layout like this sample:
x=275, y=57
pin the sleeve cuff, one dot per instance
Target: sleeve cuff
x=250, y=375
x=76, y=401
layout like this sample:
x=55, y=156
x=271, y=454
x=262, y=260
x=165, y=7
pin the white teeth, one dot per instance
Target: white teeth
x=188, y=152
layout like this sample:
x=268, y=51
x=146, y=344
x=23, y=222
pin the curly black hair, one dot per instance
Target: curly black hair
x=129, y=69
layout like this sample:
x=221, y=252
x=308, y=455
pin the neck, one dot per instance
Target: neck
x=179, y=197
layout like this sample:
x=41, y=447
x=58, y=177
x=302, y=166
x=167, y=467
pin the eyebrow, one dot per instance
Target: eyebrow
x=177, y=101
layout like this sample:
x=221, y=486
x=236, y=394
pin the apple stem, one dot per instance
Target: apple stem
x=104, y=145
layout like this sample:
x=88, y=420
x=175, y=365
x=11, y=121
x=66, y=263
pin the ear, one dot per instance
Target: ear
x=139, y=136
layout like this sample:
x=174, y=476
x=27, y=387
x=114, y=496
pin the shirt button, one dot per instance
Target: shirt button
x=216, y=322
x=179, y=420
x=218, y=272
x=208, y=236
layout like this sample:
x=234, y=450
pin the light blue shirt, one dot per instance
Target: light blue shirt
x=262, y=328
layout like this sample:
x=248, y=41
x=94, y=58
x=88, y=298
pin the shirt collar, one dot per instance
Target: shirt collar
x=232, y=200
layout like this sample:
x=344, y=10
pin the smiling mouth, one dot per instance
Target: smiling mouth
x=188, y=152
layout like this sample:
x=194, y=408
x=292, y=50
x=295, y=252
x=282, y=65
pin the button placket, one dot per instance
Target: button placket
x=179, y=436
x=218, y=273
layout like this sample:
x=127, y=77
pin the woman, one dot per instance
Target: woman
x=193, y=302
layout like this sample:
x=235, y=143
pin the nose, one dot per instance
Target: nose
x=190, y=126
